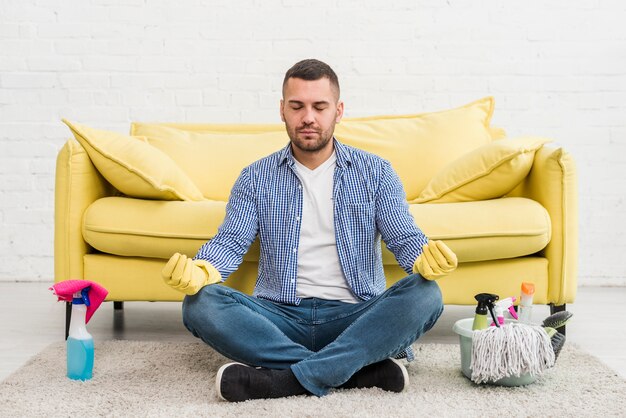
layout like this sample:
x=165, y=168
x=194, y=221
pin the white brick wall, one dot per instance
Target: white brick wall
x=556, y=68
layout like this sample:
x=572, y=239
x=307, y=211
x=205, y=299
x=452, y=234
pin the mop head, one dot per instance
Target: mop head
x=512, y=350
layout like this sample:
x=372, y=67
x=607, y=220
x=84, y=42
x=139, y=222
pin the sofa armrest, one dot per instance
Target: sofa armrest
x=552, y=181
x=77, y=185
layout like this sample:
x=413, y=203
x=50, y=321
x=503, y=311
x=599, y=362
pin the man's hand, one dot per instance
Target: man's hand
x=435, y=261
x=189, y=276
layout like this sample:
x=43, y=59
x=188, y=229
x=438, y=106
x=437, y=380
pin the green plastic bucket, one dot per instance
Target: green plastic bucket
x=463, y=327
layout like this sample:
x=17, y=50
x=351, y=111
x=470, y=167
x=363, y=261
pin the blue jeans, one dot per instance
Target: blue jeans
x=324, y=342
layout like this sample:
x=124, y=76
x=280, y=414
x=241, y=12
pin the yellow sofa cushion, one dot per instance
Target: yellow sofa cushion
x=417, y=145
x=486, y=230
x=488, y=172
x=476, y=231
x=213, y=160
x=134, y=167
x=149, y=228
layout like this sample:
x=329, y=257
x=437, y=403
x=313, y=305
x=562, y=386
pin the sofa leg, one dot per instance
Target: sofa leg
x=68, y=318
x=118, y=320
x=558, y=308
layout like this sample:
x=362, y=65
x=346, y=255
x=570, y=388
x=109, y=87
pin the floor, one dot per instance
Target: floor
x=32, y=319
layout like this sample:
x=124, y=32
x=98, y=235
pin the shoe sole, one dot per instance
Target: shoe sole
x=405, y=373
x=218, y=379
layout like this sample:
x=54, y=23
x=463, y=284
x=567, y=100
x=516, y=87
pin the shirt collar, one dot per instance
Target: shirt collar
x=342, y=152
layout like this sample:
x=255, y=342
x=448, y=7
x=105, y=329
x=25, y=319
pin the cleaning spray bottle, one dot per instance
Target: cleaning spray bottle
x=502, y=306
x=526, y=303
x=86, y=297
x=485, y=302
x=79, y=342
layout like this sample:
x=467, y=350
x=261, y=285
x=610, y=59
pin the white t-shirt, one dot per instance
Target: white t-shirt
x=319, y=271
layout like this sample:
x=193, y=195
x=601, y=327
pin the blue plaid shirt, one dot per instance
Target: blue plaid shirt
x=266, y=200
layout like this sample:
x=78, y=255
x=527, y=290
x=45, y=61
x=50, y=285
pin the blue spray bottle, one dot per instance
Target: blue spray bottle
x=79, y=341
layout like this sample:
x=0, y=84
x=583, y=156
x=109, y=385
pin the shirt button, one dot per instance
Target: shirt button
x=297, y=218
x=293, y=281
x=295, y=250
x=299, y=186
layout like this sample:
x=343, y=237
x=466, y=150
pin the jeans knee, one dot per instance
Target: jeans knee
x=426, y=298
x=190, y=312
x=432, y=293
x=196, y=308
x=433, y=303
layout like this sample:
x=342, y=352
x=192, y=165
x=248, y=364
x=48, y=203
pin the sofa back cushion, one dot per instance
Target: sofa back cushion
x=419, y=145
x=416, y=145
x=214, y=159
x=488, y=172
x=134, y=167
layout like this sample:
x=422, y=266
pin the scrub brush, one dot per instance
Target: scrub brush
x=557, y=320
x=556, y=338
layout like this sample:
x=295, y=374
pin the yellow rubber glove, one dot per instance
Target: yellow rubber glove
x=189, y=276
x=435, y=261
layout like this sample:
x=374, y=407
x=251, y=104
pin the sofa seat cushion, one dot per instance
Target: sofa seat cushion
x=476, y=231
x=150, y=228
x=486, y=230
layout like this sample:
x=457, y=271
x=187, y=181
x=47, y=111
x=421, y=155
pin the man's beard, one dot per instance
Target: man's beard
x=318, y=140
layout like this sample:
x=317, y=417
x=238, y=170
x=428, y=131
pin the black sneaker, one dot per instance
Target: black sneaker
x=236, y=382
x=389, y=375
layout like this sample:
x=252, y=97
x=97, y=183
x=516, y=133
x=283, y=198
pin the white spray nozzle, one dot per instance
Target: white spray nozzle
x=507, y=304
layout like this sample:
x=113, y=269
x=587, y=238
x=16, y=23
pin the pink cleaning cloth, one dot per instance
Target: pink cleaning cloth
x=65, y=291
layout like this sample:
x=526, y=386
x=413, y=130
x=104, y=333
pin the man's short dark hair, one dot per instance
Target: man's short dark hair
x=311, y=70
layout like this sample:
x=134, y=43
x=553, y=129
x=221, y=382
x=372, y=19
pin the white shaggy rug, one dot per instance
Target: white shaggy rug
x=177, y=379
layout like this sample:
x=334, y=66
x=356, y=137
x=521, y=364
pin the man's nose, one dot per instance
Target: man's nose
x=308, y=117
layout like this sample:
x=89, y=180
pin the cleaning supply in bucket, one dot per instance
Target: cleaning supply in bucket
x=485, y=303
x=501, y=307
x=86, y=297
x=526, y=303
x=556, y=339
x=512, y=350
x=556, y=320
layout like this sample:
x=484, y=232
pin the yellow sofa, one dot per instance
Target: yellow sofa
x=507, y=207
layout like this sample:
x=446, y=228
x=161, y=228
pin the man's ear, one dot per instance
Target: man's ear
x=339, y=112
x=282, y=113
